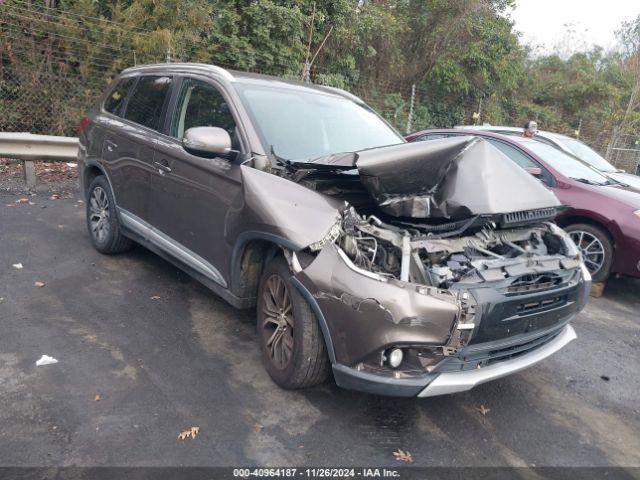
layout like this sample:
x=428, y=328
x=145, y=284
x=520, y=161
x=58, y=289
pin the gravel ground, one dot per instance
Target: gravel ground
x=52, y=177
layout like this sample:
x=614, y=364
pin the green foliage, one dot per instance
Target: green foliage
x=462, y=56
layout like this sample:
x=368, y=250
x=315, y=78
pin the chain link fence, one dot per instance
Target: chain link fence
x=49, y=80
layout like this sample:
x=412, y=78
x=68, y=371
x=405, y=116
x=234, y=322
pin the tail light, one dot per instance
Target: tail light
x=83, y=123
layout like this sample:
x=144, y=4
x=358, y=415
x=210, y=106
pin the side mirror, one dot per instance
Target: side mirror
x=207, y=141
x=535, y=171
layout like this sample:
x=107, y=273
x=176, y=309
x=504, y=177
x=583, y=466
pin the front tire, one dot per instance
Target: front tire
x=596, y=247
x=293, y=349
x=102, y=219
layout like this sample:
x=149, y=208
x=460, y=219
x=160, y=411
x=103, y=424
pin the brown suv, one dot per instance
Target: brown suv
x=407, y=269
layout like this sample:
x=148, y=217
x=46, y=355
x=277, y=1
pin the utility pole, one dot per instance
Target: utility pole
x=411, y=104
x=306, y=73
x=168, y=54
x=477, y=117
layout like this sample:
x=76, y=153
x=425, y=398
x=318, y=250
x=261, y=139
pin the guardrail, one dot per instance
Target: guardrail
x=29, y=148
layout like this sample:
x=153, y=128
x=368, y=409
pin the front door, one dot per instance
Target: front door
x=191, y=195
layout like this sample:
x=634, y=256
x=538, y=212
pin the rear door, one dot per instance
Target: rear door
x=192, y=195
x=128, y=145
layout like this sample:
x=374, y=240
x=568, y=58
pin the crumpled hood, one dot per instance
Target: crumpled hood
x=448, y=178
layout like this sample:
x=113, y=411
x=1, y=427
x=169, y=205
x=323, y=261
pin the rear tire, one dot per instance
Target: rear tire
x=293, y=349
x=596, y=247
x=102, y=219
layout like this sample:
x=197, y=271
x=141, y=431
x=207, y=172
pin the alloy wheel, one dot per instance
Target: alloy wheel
x=277, y=323
x=99, y=214
x=591, y=248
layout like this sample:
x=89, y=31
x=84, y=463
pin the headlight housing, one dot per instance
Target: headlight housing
x=331, y=236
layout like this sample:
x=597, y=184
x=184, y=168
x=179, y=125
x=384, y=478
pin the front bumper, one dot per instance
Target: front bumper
x=452, y=382
x=449, y=382
x=361, y=316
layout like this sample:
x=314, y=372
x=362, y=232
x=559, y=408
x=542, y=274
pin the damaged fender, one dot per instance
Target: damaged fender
x=380, y=313
x=274, y=206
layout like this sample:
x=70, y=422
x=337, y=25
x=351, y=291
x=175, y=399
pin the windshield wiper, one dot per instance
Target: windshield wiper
x=588, y=182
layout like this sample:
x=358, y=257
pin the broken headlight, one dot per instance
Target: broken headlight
x=331, y=236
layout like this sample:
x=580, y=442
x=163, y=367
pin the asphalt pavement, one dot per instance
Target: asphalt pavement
x=144, y=353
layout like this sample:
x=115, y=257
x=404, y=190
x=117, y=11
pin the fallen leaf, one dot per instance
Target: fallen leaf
x=257, y=428
x=403, y=456
x=97, y=398
x=22, y=200
x=38, y=284
x=192, y=432
x=155, y=297
x=483, y=410
x=55, y=196
x=18, y=266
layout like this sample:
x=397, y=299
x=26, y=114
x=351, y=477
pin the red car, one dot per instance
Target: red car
x=603, y=217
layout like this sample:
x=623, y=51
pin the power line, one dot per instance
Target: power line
x=58, y=24
x=57, y=57
x=87, y=17
x=75, y=49
x=73, y=39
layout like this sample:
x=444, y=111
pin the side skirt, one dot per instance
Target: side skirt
x=179, y=256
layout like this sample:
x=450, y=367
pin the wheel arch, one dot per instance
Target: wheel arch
x=92, y=170
x=575, y=218
x=252, y=252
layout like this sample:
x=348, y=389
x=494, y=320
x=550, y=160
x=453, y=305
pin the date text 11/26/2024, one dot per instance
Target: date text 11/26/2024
x=315, y=473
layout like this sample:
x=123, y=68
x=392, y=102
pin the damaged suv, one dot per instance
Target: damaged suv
x=406, y=269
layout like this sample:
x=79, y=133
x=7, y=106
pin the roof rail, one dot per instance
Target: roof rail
x=183, y=66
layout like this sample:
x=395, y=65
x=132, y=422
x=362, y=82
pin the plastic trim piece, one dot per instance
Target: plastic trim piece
x=461, y=381
x=319, y=315
x=155, y=236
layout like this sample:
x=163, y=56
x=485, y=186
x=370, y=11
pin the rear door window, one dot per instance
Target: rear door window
x=147, y=101
x=115, y=100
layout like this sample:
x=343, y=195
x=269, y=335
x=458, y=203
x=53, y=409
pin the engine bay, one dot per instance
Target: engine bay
x=477, y=250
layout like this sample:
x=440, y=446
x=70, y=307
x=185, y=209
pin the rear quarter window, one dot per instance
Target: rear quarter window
x=115, y=100
x=147, y=100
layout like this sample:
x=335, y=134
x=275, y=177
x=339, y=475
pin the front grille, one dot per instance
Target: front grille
x=541, y=305
x=527, y=216
x=534, y=282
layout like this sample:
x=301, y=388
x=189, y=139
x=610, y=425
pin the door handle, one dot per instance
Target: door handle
x=162, y=166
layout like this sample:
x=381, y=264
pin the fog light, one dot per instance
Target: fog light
x=395, y=357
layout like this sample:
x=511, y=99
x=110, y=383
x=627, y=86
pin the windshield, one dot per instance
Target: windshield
x=587, y=154
x=302, y=125
x=567, y=165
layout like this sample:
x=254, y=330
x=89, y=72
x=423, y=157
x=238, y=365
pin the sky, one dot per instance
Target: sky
x=572, y=25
